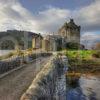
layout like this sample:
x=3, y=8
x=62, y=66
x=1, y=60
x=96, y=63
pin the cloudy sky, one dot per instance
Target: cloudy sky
x=46, y=16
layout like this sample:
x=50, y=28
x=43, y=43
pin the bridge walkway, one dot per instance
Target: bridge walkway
x=15, y=84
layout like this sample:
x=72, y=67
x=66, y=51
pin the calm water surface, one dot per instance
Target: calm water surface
x=4, y=52
x=89, y=89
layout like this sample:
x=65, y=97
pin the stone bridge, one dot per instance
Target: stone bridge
x=42, y=79
x=50, y=82
x=13, y=39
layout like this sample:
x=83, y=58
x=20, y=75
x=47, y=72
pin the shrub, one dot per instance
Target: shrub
x=71, y=45
x=96, y=55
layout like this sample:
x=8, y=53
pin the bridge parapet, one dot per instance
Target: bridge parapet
x=44, y=86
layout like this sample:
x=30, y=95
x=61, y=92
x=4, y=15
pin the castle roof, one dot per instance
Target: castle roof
x=70, y=24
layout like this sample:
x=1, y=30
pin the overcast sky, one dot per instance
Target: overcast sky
x=46, y=16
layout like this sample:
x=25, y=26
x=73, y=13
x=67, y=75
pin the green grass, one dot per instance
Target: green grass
x=83, y=60
x=80, y=54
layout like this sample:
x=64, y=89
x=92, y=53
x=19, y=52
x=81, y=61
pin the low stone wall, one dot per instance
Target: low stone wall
x=44, y=85
x=10, y=64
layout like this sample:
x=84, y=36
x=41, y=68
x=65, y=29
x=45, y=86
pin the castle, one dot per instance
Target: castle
x=68, y=33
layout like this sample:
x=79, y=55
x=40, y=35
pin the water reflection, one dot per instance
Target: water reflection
x=89, y=89
x=76, y=94
x=90, y=86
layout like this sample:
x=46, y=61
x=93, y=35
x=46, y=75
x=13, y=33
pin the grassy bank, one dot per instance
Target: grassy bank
x=84, y=61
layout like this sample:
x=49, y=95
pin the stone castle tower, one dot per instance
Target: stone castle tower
x=70, y=32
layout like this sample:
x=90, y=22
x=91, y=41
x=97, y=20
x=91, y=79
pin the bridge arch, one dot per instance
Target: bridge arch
x=7, y=42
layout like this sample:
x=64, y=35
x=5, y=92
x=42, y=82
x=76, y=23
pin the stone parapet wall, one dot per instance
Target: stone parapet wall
x=9, y=64
x=44, y=85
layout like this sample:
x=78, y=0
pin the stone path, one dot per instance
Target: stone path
x=15, y=84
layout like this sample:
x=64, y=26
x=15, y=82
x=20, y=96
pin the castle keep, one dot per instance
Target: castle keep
x=70, y=32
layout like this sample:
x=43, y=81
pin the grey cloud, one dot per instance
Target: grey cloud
x=89, y=38
x=49, y=20
x=89, y=17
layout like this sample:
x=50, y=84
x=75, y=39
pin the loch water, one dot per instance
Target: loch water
x=5, y=52
x=88, y=89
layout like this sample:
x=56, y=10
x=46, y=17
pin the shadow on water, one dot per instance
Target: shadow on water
x=75, y=92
